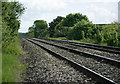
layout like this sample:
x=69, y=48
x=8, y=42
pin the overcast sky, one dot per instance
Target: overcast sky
x=98, y=11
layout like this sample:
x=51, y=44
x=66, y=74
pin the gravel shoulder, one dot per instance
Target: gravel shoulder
x=43, y=67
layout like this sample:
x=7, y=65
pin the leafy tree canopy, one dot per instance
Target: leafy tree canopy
x=11, y=12
x=40, y=28
x=72, y=19
x=53, y=24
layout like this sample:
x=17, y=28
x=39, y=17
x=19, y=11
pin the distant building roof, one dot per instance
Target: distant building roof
x=101, y=24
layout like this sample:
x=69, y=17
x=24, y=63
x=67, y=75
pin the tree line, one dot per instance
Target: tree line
x=76, y=27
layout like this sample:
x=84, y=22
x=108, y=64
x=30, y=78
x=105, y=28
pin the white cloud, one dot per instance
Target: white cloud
x=94, y=1
x=47, y=5
x=102, y=14
x=25, y=25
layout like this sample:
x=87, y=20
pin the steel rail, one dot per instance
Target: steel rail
x=99, y=78
x=109, y=49
x=76, y=51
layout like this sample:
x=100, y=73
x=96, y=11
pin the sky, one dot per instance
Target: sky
x=98, y=11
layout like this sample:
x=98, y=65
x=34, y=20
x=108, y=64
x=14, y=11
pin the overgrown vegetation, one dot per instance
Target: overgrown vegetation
x=111, y=34
x=11, y=11
x=11, y=66
x=78, y=27
x=39, y=29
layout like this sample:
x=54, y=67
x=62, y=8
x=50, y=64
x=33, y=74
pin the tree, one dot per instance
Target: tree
x=69, y=21
x=40, y=28
x=72, y=19
x=53, y=24
x=31, y=31
x=61, y=31
x=11, y=11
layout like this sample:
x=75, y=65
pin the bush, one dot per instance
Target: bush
x=111, y=34
x=80, y=30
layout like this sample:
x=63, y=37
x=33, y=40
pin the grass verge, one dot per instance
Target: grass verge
x=59, y=38
x=11, y=66
x=0, y=63
x=82, y=40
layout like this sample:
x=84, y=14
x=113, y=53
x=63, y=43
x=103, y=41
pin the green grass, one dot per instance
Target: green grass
x=86, y=41
x=82, y=40
x=11, y=66
x=104, y=44
x=0, y=62
x=59, y=38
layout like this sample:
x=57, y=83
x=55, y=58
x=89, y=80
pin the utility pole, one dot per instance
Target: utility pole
x=119, y=11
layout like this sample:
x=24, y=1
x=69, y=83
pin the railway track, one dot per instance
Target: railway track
x=110, y=49
x=99, y=78
x=101, y=58
x=94, y=63
x=82, y=49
